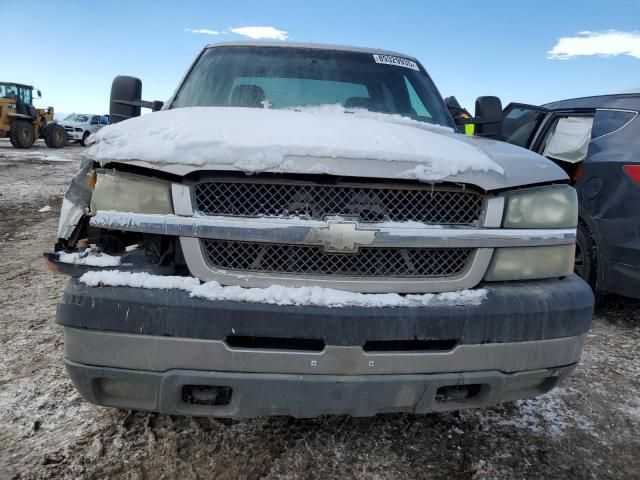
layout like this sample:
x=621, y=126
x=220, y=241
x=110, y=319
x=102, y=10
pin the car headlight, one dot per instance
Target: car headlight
x=543, y=207
x=549, y=207
x=125, y=192
x=530, y=263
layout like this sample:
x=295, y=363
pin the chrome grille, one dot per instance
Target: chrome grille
x=317, y=201
x=314, y=260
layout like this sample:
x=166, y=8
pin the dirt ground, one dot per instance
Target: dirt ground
x=588, y=428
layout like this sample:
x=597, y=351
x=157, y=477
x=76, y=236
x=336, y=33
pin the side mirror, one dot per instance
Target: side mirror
x=126, y=99
x=489, y=117
x=126, y=94
x=39, y=93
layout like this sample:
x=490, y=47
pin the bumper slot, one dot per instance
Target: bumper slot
x=409, y=345
x=274, y=343
x=213, y=396
x=457, y=393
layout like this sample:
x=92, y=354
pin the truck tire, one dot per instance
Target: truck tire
x=586, y=261
x=84, y=139
x=56, y=136
x=21, y=134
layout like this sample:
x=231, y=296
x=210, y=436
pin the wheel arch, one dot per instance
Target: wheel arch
x=587, y=219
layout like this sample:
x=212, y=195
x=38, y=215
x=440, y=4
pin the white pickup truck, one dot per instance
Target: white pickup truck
x=300, y=231
x=80, y=125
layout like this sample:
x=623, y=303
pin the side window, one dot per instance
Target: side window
x=104, y=120
x=606, y=122
x=569, y=137
x=416, y=104
x=94, y=120
x=520, y=124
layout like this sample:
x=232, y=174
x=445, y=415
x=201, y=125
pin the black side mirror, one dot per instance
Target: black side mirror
x=126, y=94
x=39, y=93
x=126, y=99
x=488, y=119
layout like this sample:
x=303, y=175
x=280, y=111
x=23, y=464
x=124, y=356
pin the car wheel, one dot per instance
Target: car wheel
x=586, y=265
x=83, y=142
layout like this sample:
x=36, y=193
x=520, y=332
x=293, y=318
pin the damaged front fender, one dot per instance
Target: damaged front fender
x=76, y=200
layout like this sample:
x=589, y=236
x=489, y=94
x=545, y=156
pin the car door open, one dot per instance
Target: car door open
x=521, y=123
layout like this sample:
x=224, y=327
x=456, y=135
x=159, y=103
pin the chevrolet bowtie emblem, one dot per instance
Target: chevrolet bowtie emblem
x=341, y=237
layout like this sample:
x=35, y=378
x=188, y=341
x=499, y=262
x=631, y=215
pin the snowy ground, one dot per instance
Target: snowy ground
x=588, y=428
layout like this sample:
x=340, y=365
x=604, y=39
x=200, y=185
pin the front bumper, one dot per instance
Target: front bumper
x=74, y=135
x=140, y=349
x=257, y=394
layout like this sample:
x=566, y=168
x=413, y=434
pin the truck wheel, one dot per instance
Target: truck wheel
x=586, y=262
x=84, y=139
x=21, y=134
x=56, y=136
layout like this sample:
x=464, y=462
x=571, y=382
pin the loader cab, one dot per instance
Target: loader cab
x=22, y=95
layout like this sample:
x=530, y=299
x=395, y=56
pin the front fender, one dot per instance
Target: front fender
x=76, y=199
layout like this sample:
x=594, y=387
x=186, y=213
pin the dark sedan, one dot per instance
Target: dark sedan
x=596, y=140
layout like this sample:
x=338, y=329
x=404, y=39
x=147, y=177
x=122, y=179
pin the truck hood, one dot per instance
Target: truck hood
x=327, y=139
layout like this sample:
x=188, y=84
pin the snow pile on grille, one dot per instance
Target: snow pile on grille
x=255, y=140
x=277, y=294
x=89, y=258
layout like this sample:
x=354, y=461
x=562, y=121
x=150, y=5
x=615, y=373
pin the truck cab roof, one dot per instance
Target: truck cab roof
x=317, y=46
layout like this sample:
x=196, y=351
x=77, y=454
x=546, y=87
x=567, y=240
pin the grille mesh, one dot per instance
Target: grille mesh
x=370, y=204
x=313, y=260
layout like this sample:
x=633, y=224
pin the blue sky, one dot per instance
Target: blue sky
x=72, y=50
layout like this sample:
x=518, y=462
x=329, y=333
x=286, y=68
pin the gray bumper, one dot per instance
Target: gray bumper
x=256, y=394
x=144, y=349
x=161, y=354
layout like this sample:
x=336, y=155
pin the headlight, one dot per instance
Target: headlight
x=529, y=263
x=130, y=193
x=543, y=207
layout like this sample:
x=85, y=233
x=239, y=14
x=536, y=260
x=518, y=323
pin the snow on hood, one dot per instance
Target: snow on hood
x=256, y=140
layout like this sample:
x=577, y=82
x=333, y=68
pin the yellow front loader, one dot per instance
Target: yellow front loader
x=22, y=122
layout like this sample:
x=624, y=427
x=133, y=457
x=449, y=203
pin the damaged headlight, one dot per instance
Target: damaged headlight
x=125, y=192
x=544, y=207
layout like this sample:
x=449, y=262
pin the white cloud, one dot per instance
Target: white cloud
x=205, y=31
x=261, y=33
x=608, y=43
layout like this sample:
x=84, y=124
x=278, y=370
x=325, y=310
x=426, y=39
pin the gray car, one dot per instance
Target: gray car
x=300, y=230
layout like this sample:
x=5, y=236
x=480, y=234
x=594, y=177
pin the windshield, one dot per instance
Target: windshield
x=283, y=77
x=74, y=117
x=7, y=90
